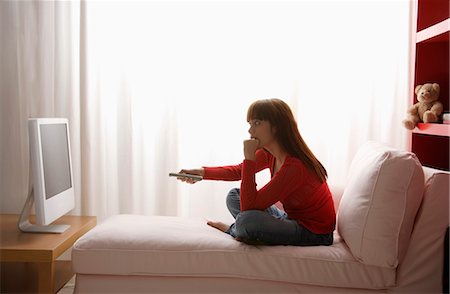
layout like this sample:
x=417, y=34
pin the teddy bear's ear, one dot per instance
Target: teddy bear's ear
x=436, y=88
x=417, y=89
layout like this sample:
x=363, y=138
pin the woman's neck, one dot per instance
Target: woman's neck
x=277, y=151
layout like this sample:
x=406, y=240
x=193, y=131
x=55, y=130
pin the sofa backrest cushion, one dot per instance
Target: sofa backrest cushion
x=379, y=204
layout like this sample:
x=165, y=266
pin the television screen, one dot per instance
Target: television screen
x=55, y=159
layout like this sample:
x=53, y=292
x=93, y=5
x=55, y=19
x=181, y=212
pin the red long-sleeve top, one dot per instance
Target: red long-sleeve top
x=304, y=197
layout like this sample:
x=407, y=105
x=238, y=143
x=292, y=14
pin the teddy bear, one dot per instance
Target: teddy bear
x=427, y=109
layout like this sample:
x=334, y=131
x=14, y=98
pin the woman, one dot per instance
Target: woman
x=298, y=181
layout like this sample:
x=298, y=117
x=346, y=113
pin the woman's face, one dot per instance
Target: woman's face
x=261, y=130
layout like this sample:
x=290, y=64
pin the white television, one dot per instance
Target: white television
x=51, y=176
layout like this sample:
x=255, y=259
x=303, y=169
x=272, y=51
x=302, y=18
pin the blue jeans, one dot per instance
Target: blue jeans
x=270, y=226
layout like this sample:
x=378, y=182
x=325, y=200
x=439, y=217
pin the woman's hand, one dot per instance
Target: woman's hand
x=250, y=147
x=198, y=172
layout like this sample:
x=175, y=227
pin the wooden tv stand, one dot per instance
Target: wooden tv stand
x=29, y=260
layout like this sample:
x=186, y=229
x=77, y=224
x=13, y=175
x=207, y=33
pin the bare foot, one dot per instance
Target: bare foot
x=219, y=225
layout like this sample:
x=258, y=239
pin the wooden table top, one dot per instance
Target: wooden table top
x=16, y=246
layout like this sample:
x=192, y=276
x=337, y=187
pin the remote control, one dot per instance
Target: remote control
x=194, y=177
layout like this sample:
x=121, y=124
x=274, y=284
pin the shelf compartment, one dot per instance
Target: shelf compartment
x=431, y=12
x=433, y=129
x=435, y=33
x=432, y=66
x=432, y=151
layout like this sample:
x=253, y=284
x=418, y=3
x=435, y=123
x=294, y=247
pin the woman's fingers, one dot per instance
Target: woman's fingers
x=189, y=172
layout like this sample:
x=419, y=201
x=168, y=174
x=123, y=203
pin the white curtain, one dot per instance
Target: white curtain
x=39, y=77
x=166, y=85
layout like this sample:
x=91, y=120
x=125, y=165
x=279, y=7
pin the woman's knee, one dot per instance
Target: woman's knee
x=248, y=224
x=233, y=196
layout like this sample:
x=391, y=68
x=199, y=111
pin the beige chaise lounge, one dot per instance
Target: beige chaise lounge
x=392, y=219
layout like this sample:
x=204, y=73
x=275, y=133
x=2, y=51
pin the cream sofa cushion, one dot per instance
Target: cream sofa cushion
x=379, y=204
x=164, y=246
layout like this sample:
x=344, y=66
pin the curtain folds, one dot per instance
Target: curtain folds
x=39, y=77
x=151, y=87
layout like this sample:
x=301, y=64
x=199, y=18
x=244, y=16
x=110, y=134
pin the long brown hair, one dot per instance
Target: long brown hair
x=280, y=116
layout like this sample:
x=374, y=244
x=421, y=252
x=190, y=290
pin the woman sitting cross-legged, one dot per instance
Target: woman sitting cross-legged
x=298, y=181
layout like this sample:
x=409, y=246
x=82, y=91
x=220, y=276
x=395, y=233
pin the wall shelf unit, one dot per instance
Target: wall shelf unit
x=430, y=64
